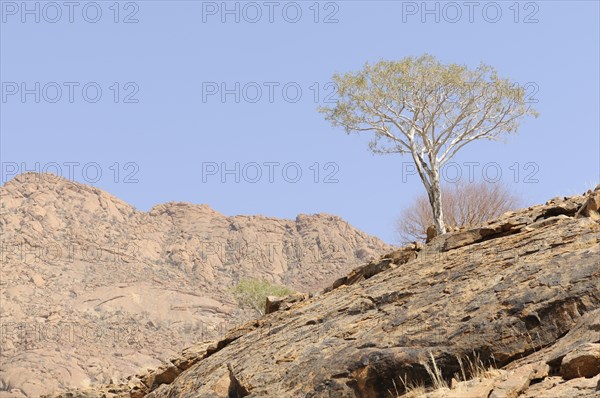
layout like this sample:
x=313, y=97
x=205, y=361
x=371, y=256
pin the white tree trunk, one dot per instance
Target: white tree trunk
x=435, y=199
x=431, y=180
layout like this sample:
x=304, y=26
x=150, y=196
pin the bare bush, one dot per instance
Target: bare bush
x=464, y=205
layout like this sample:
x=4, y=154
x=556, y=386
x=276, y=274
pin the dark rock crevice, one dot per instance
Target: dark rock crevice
x=236, y=389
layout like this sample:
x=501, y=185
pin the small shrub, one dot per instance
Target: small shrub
x=252, y=293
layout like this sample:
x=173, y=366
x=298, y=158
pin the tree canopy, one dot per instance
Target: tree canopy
x=427, y=109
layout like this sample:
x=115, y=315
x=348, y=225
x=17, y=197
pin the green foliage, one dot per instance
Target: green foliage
x=427, y=109
x=418, y=105
x=253, y=293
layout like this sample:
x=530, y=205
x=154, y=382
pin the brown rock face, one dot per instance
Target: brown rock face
x=591, y=207
x=93, y=290
x=521, y=294
x=584, y=361
x=274, y=303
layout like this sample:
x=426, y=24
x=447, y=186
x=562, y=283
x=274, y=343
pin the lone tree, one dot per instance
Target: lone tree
x=463, y=204
x=427, y=109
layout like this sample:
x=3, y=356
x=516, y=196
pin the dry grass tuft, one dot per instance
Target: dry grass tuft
x=472, y=368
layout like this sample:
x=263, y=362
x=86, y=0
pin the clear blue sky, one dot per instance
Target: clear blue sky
x=178, y=51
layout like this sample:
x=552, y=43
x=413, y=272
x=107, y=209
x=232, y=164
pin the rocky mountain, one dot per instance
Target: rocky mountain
x=509, y=309
x=93, y=290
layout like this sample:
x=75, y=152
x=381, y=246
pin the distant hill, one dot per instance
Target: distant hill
x=93, y=290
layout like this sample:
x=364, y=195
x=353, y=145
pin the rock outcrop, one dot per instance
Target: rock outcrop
x=93, y=290
x=517, y=299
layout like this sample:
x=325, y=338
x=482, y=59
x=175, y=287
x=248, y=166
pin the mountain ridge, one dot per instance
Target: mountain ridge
x=152, y=282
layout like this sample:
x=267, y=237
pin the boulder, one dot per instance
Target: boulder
x=275, y=303
x=583, y=361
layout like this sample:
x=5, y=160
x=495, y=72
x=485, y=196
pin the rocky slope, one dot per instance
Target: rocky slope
x=521, y=294
x=93, y=290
